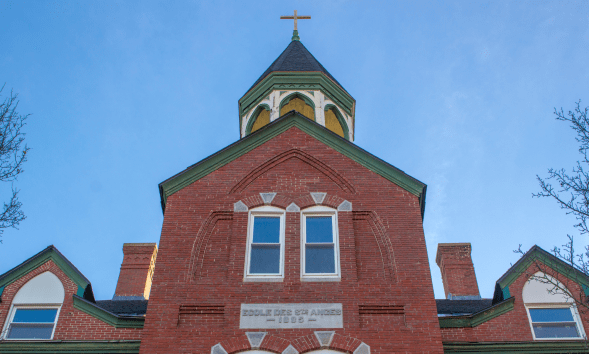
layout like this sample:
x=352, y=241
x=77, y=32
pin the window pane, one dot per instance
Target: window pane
x=265, y=259
x=551, y=315
x=319, y=259
x=266, y=229
x=35, y=315
x=28, y=331
x=318, y=229
x=556, y=330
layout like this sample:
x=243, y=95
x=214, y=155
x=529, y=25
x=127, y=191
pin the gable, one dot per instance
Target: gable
x=49, y=253
x=320, y=133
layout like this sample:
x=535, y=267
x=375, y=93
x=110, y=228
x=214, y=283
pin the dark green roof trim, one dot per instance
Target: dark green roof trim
x=477, y=318
x=538, y=254
x=280, y=125
x=49, y=253
x=517, y=347
x=307, y=80
x=70, y=347
x=110, y=318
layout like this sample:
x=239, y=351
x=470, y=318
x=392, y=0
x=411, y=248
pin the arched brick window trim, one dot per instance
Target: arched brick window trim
x=305, y=344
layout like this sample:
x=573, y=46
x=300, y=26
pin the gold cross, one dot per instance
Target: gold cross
x=295, y=18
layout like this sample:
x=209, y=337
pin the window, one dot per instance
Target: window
x=551, y=323
x=551, y=316
x=320, y=245
x=32, y=323
x=265, y=246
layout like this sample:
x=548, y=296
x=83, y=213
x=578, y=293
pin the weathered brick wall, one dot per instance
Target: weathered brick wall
x=457, y=270
x=512, y=326
x=72, y=323
x=136, y=270
x=203, y=244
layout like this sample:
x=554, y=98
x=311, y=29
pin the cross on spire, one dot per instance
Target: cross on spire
x=295, y=33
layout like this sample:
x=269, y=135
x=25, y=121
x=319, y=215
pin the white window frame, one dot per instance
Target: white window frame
x=264, y=211
x=320, y=211
x=574, y=312
x=16, y=307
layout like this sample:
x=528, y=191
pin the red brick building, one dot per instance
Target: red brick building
x=291, y=240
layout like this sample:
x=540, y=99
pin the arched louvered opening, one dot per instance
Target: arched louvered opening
x=299, y=103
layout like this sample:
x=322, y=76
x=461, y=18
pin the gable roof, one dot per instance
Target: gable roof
x=280, y=125
x=536, y=253
x=295, y=58
x=49, y=253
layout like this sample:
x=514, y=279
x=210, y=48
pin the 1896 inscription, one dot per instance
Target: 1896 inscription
x=291, y=316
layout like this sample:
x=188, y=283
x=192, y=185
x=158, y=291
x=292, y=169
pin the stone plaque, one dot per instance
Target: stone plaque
x=291, y=316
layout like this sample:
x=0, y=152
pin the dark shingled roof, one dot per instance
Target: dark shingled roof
x=124, y=307
x=455, y=307
x=295, y=58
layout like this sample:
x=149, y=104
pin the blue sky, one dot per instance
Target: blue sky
x=458, y=94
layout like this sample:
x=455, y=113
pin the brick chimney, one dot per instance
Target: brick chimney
x=460, y=280
x=136, y=271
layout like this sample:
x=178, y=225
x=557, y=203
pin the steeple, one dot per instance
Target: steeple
x=297, y=81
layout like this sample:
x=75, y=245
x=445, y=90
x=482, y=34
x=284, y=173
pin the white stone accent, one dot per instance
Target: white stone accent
x=318, y=197
x=267, y=197
x=45, y=288
x=218, y=349
x=240, y=207
x=293, y=208
x=362, y=349
x=290, y=350
x=255, y=338
x=324, y=338
x=345, y=206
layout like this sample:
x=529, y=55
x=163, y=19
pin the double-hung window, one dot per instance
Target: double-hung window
x=28, y=322
x=265, y=246
x=554, y=323
x=320, y=245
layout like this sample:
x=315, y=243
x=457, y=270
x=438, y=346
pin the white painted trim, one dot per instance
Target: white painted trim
x=320, y=210
x=265, y=210
x=12, y=312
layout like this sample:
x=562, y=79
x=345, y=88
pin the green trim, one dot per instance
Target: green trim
x=585, y=289
x=50, y=253
x=340, y=118
x=279, y=126
x=304, y=81
x=477, y=318
x=517, y=347
x=506, y=293
x=1, y=291
x=303, y=97
x=108, y=317
x=295, y=36
x=71, y=347
x=538, y=254
x=250, y=123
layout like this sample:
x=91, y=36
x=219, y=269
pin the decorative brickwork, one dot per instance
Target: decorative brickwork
x=457, y=270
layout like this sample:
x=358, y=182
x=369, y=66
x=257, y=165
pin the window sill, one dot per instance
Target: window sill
x=334, y=278
x=251, y=279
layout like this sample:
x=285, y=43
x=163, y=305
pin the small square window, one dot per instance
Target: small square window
x=554, y=323
x=320, y=245
x=265, y=247
x=32, y=323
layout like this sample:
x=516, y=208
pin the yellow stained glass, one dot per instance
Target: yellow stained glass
x=332, y=123
x=262, y=120
x=300, y=106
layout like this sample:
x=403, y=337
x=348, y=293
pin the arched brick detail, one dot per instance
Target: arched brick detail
x=281, y=201
x=384, y=243
x=236, y=344
x=332, y=201
x=306, y=343
x=344, y=344
x=329, y=172
x=201, y=240
x=305, y=201
x=274, y=344
x=254, y=201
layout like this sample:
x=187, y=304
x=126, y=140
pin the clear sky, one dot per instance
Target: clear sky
x=124, y=94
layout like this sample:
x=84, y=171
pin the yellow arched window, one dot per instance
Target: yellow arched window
x=262, y=119
x=300, y=106
x=332, y=123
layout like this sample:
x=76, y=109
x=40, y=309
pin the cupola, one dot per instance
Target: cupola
x=297, y=81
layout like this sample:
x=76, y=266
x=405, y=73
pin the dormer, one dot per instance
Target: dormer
x=297, y=81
